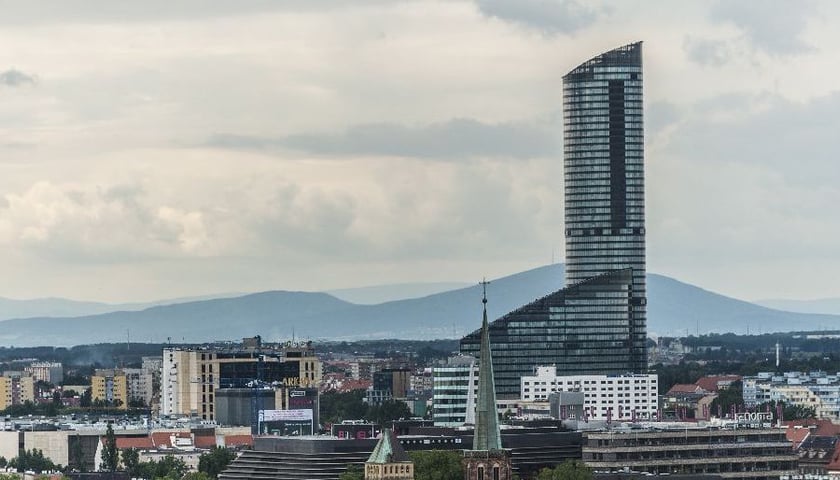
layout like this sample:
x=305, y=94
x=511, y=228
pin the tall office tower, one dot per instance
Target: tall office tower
x=603, y=142
x=596, y=325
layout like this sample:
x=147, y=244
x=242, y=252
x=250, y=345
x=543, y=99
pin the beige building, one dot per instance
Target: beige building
x=15, y=389
x=190, y=377
x=110, y=387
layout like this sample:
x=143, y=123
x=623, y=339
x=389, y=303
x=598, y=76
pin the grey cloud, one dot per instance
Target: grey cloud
x=772, y=26
x=451, y=140
x=707, y=52
x=805, y=155
x=98, y=11
x=16, y=78
x=549, y=16
x=660, y=115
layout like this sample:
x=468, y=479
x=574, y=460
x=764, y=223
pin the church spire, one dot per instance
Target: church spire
x=486, y=436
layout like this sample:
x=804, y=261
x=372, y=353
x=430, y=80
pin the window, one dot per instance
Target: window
x=480, y=473
x=495, y=473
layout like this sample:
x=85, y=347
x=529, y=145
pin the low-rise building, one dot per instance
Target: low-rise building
x=683, y=448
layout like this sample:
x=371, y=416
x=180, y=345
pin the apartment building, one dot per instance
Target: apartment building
x=109, y=387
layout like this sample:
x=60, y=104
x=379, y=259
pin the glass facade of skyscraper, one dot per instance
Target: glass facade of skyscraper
x=603, y=140
x=596, y=325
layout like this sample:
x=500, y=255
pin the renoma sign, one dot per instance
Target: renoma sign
x=750, y=418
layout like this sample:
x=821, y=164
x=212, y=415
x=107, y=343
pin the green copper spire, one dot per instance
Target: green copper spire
x=486, y=436
x=388, y=450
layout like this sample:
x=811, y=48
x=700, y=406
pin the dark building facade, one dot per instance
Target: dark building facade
x=597, y=324
x=323, y=457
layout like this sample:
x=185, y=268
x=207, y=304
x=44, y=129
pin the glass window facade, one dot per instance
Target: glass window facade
x=597, y=324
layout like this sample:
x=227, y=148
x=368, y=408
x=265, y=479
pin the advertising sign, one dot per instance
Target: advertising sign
x=296, y=415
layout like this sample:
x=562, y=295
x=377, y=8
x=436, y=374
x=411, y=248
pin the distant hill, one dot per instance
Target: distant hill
x=823, y=305
x=674, y=308
x=62, y=307
x=388, y=293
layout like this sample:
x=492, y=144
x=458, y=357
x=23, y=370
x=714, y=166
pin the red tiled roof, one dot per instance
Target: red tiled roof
x=797, y=435
x=821, y=427
x=834, y=463
x=239, y=440
x=710, y=383
x=133, y=442
x=162, y=439
x=205, y=441
x=685, y=388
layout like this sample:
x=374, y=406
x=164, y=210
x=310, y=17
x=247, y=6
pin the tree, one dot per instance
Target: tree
x=437, y=465
x=568, y=470
x=110, y=454
x=32, y=460
x=215, y=461
x=195, y=476
x=353, y=472
x=387, y=412
x=131, y=461
x=734, y=395
x=85, y=400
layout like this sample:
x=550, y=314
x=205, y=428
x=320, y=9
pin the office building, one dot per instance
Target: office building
x=603, y=140
x=191, y=376
x=596, y=325
x=691, y=449
x=614, y=397
x=454, y=387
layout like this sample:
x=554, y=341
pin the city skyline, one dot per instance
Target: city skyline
x=152, y=152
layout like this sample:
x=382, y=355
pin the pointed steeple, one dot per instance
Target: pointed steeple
x=486, y=436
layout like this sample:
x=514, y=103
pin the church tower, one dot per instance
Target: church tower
x=487, y=460
x=388, y=461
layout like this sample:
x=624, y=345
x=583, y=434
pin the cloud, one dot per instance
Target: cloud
x=451, y=140
x=549, y=16
x=105, y=11
x=707, y=52
x=774, y=27
x=16, y=78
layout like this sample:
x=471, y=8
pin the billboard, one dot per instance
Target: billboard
x=295, y=415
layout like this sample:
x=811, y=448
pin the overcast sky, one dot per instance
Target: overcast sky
x=157, y=149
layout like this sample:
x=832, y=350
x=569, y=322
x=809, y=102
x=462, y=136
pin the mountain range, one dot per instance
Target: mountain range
x=674, y=308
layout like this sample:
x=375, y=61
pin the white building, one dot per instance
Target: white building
x=619, y=397
x=50, y=372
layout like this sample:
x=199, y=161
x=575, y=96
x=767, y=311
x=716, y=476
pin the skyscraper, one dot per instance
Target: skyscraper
x=603, y=141
x=596, y=325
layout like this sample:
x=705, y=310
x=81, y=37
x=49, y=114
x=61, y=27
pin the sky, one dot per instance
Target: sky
x=160, y=149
